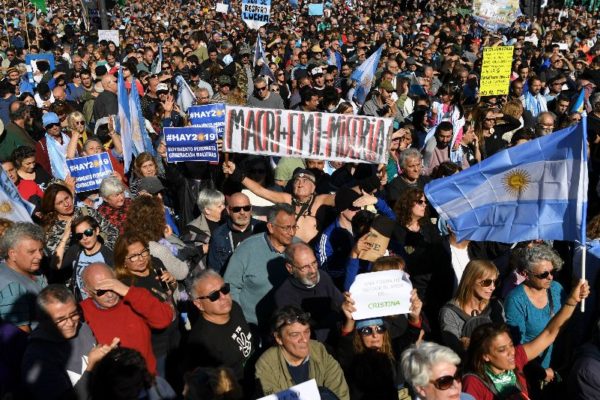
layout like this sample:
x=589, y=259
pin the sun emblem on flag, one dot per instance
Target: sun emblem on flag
x=516, y=181
x=5, y=207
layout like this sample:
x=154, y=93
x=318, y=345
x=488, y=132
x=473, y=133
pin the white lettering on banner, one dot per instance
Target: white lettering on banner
x=285, y=133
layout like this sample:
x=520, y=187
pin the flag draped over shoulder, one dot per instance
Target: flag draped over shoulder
x=124, y=117
x=12, y=206
x=365, y=74
x=537, y=190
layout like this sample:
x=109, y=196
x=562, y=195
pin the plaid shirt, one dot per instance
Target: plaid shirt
x=115, y=216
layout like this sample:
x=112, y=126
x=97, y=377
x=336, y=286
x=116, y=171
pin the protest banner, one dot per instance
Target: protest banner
x=496, y=70
x=256, y=13
x=208, y=115
x=378, y=294
x=497, y=14
x=304, y=391
x=191, y=143
x=110, y=35
x=89, y=171
x=31, y=61
x=316, y=135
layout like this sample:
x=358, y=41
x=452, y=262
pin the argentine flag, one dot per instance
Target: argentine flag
x=156, y=66
x=579, y=105
x=185, y=96
x=124, y=117
x=364, y=76
x=537, y=190
x=139, y=135
x=12, y=206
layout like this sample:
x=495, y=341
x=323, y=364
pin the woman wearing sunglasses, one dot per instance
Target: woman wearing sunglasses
x=534, y=302
x=87, y=248
x=136, y=267
x=496, y=365
x=472, y=306
x=432, y=371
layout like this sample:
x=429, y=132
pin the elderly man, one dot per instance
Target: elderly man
x=62, y=350
x=311, y=290
x=297, y=358
x=262, y=97
x=239, y=226
x=114, y=309
x=257, y=266
x=106, y=102
x=22, y=248
x=221, y=335
x=411, y=166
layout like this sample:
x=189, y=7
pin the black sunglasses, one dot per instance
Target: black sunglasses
x=445, y=382
x=368, y=330
x=240, y=208
x=88, y=232
x=214, y=296
x=489, y=282
x=546, y=274
x=101, y=292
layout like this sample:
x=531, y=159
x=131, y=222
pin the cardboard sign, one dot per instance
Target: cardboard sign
x=209, y=115
x=378, y=244
x=256, y=13
x=191, y=144
x=496, y=70
x=304, y=391
x=316, y=135
x=110, y=35
x=89, y=171
x=379, y=294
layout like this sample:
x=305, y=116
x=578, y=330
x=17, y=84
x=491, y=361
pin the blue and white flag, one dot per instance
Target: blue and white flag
x=579, y=104
x=537, y=190
x=124, y=116
x=156, y=66
x=185, y=96
x=139, y=135
x=12, y=206
x=364, y=75
x=259, y=53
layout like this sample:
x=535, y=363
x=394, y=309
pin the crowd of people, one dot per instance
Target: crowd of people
x=232, y=280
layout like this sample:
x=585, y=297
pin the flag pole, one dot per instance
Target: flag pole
x=584, y=208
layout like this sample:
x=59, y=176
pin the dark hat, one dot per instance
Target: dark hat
x=151, y=184
x=304, y=173
x=344, y=199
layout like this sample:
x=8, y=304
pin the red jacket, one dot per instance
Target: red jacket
x=130, y=320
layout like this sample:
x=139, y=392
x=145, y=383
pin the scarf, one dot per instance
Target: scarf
x=57, y=154
x=535, y=104
x=505, y=382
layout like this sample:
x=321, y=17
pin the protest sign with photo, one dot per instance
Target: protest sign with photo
x=256, y=13
x=191, y=144
x=497, y=14
x=496, y=70
x=208, y=115
x=89, y=171
x=378, y=294
x=316, y=135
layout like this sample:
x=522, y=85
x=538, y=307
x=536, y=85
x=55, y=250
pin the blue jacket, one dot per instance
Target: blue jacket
x=221, y=244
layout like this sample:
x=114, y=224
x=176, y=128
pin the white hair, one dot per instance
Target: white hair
x=417, y=362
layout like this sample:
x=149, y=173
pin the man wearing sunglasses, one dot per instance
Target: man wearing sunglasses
x=114, y=309
x=51, y=150
x=62, y=348
x=221, y=335
x=239, y=226
x=262, y=97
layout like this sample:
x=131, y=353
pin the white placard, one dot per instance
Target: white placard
x=222, y=8
x=110, y=35
x=304, y=391
x=378, y=294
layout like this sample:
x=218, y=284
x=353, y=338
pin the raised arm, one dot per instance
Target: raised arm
x=229, y=168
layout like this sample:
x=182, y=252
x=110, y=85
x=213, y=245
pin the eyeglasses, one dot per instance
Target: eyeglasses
x=88, y=232
x=82, y=123
x=301, y=318
x=287, y=228
x=240, y=208
x=214, y=296
x=489, y=282
x=445, y=382
x=73, y=317
x=260, y=88
x=137, y=257
x=545, y=275
x=100, y=292
x=369, y=330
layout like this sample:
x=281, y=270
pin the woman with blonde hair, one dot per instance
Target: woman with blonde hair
x=472, y=306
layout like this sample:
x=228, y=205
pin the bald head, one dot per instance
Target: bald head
x=95, y=273
x=240, y=210
x=59, y=93
x=109, y=83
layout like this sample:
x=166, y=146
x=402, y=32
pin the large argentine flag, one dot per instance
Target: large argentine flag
x=12, y=206
x=364, y=76
x=124, y=117
x=537, y=190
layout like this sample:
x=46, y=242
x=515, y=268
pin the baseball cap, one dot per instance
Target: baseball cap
x=151, y=184
x=50, y=118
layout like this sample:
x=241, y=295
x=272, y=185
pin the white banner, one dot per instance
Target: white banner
x=378, y=294
x=304, y=391
x=315, y=135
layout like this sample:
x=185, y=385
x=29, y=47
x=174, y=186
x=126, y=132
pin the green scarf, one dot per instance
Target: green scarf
x=505, y=382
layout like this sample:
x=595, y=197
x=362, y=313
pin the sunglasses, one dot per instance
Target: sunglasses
x=82, y=123
x=88, y=232
x=546, y=274
x=261, y=88
x=240, y=208
x=369, y=330
x=214, y=296
x=489, y=282
x=445, y=382
x=303, y=319
x=101, y=292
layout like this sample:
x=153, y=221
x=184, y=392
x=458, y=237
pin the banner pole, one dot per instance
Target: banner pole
x=583, y=258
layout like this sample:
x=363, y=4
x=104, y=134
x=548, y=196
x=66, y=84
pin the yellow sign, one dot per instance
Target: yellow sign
x=495, y=72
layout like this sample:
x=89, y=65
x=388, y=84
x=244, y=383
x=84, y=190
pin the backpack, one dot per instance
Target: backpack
x=493, y=312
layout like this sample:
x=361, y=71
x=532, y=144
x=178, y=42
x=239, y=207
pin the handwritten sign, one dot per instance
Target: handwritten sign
x=304, y=391
x=89, y=171
x=209, y=115
x=191, y=144
x=378, y=294
x=316, y=135
x=256, y=13
x=496, y=69
x=110, y=35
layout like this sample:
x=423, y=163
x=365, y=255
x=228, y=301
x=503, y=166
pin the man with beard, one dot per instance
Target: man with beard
x=437, y=150
x=311, y=290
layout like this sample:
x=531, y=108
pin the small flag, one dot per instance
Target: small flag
x=364, y=75
x=156, y=66
x=185, y=96
x=578, y=106
x=259, y=53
